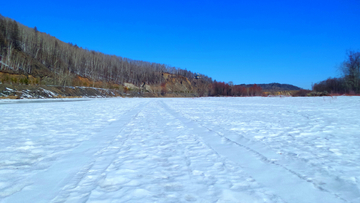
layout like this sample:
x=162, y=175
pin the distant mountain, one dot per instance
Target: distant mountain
x=274, y=86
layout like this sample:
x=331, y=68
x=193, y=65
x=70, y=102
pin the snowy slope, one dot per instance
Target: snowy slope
x=181, y=150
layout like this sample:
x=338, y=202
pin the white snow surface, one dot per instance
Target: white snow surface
x=302, y=150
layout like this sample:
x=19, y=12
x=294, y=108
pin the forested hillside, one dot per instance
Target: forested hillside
x=25, y=50
x=31, y=57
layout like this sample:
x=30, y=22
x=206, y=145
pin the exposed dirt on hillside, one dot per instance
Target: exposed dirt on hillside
x=19, y=86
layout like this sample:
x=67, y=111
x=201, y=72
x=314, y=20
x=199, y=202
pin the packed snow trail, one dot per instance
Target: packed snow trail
x=156, y=159
x=180, y=150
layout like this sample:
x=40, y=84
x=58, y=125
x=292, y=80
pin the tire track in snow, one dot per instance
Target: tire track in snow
x=91, y=174
x=265, y=159
x=270, y=161
x=59, y=174
x=338, y=186
x=261, y=170
x=164, y=162
x=267, y=195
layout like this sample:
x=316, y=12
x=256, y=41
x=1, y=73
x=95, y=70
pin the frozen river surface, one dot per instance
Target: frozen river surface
x=242, y=150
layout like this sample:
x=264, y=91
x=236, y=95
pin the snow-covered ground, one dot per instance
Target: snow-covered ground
x=181, y=150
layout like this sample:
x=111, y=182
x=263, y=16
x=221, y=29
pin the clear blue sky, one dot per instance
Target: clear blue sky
x=241, y=41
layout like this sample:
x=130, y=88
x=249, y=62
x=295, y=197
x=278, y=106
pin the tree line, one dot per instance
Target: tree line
x=349, y=83
x=28, y=51
x=226, y=89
